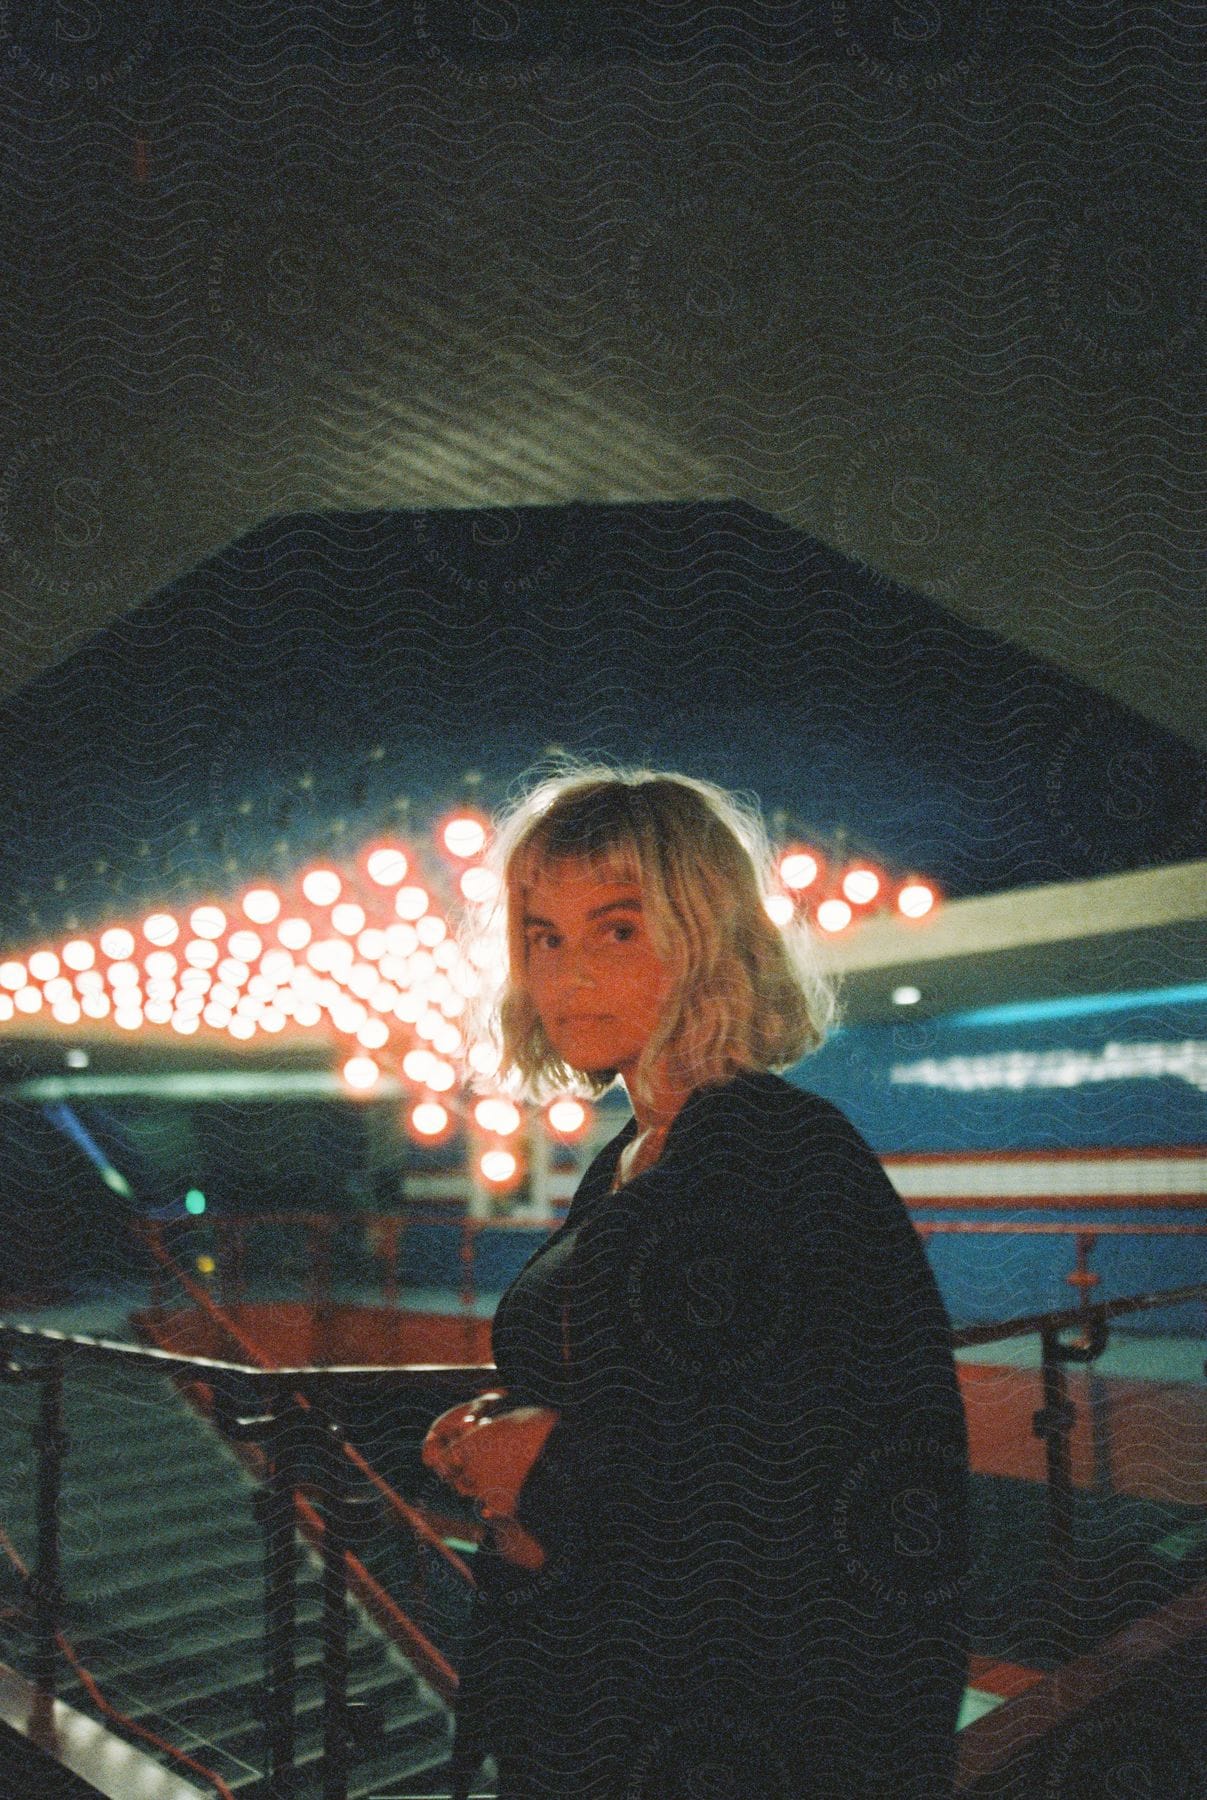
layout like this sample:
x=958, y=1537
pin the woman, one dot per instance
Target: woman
x=725, y=1469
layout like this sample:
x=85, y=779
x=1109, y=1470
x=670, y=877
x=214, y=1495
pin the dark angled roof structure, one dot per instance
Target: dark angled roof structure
x=774, y=393
x=331, y=676
x=931, y=297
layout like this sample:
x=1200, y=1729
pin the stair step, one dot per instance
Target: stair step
x=205, y=1664
x=231, y=1565
x=111, y=1465
x=171, y=1613
x=163, y=1563
x=175, y=1538
x=418, y=1750
x=232, y=1721
x=114, y=1506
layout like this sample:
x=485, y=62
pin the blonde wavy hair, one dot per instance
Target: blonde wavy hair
x=746, y=993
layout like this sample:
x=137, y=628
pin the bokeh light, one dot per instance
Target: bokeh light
x=261, y=906
x=322, y=887
x=387, y=866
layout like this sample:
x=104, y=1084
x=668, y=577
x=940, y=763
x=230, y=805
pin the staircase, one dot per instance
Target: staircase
x=162, y=1568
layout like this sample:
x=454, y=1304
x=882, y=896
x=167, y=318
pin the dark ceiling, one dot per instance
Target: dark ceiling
x=922, y=283
x=334, y=676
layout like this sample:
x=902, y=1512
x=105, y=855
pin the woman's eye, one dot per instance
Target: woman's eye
x=624, y=932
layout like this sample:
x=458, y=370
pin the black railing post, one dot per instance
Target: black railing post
x=280, y=1599
x=335, y=1623
x=1054, y=1423
x=47, y=1582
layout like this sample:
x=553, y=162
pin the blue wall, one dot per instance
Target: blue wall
x=986, y=1276
x=855, y=1069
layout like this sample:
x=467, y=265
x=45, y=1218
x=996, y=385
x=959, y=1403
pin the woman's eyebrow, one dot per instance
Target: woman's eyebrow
x=596, y=912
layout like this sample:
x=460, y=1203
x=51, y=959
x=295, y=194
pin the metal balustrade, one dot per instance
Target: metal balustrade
x=313, y=1475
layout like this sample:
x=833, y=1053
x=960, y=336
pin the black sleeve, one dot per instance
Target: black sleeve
x=765, y=1423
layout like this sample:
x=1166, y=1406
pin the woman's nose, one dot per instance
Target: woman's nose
x=581, y=972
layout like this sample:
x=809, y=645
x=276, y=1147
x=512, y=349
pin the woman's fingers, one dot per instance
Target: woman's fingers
x=493, y=1460
x=445, y=1430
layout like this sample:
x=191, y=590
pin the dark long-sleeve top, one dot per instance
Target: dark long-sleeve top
x=754, y=1503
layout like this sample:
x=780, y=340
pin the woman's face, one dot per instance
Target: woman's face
x=594, y=976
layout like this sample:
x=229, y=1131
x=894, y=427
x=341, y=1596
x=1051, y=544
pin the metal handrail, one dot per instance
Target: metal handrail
x=406, y=1514
x=992, y=1333
x=276, y=1416
x=1053, y=1422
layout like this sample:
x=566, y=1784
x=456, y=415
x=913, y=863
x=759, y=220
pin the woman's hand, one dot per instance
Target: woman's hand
x=489, y=1460
x=444, y=1431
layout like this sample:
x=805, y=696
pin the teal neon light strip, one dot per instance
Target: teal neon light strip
x=1021, y=1012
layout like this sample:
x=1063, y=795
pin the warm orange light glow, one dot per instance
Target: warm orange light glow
x=428, y=1119
x=483, y=1058
x=479, y=885
x=567, y=1118
x=496, y=1115
x=464, y=836
x=361, y=1073
x=915, y=900
x=43, y=965
x=322, y=887
x=79, y=954
x=416, y=1064
x=499, y=1167
x=798, y=869
x=277, y=966
x=207, y=921
x=117, y=943
x=386, y=865
x=261, y=905
x=161, y=930
x=833, y=915
x=295, y=934
x=402, y=939
x=411, y=903
x=245, y=945
x=860, y=885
